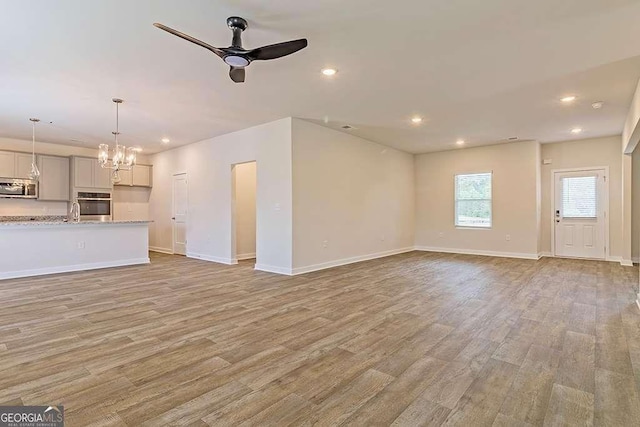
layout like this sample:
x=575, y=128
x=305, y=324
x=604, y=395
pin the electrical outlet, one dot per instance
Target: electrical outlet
x=441, y=235
x=325, y=243
x=507, y=237
x=277, y=206
x=80, y=245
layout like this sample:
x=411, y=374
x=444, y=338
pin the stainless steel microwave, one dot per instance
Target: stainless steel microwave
x=18, y=188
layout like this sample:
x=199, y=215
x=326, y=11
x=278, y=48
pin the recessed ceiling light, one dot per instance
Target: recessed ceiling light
x=416, y=120
x=460, y=142
x=568, y=99
x=166, y=140
x=329, y=71
x=597, y=105
x=576, y=130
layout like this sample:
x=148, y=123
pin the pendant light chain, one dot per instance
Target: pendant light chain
x=33, y=142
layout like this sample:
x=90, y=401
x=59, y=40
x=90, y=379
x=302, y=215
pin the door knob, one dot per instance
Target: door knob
x=173, y=218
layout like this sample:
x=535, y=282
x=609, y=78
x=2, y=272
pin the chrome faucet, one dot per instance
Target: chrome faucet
x=75, y=211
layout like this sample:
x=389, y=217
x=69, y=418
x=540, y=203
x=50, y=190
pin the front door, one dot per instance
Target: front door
x=179, y=217
x=580, y=214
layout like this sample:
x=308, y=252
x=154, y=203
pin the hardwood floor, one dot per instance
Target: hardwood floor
x=413, y=339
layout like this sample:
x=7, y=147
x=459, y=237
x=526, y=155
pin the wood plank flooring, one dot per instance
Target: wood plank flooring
x=413, y=339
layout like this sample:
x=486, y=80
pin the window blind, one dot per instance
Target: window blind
x=579, y=197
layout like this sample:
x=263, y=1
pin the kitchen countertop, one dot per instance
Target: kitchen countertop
x=39, y=223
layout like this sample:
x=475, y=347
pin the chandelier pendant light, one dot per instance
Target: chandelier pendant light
x=34, y=173
x=121, y=158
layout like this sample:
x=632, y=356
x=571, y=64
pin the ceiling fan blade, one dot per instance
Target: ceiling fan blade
x=187, y=37
x=237, y=74
x=277, y=50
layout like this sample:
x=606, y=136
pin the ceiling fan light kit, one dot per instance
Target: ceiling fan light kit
x=235, y=55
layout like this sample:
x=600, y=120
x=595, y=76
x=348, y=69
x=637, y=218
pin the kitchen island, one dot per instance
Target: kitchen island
x=35, y=248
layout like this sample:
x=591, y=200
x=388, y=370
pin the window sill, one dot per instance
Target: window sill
x=467, y=227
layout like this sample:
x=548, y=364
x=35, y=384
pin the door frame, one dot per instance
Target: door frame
x=234, y=256
x=607, y=257
x=173, y=209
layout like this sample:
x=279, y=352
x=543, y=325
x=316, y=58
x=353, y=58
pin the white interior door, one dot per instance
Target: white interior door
x=180, y=214
x=580, y=214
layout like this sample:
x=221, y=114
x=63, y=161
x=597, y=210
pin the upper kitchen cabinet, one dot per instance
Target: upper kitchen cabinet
x=15, y=165
x=7, y=164
x=23, y=165
x=87, y=173
x=102, y=176
x=139, y=176
x=54, y=178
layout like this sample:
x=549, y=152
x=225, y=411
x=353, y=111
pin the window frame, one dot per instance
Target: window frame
x=456, y=200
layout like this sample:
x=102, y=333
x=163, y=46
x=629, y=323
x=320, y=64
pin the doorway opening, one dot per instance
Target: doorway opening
x=179, y=214
x=580, y=217
x=244, y=185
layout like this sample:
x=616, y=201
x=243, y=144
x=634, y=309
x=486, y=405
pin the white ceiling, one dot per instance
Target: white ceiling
x=483, y=71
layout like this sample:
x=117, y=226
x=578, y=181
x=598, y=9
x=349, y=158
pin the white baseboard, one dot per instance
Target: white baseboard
x=161, y=250
x=344, y=261
x=626, y=263
x=544, y=254
x=241, y=257
x=478, y=252
x=227, y=261
x=71, y=268
x=273, y=269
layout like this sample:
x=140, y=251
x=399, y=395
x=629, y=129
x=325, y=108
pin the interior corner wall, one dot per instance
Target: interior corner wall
x=352, y=199
x=208, y=165
x=245, y=210
x=514, y=200
x=635, y=209
x=585, y=153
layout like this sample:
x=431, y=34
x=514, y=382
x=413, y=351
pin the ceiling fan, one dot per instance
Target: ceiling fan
x=235, y=55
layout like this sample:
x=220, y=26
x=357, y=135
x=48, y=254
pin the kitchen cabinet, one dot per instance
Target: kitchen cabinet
x=54, y=178
x=15, y=165
x=7, y=164
x=102, y=176
x=139, y=176
x=87, y=173
x=125, y=178
x=142, y=176
x=23, y=165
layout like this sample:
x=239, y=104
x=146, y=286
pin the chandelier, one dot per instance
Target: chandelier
x=121, y=158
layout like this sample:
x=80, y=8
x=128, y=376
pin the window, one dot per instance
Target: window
x=473, y=200
x=579, y=195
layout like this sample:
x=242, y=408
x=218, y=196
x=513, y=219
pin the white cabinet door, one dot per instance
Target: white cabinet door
x=125, y=178
x=54, y=178
x=142, y=176
x=102, y=177
x=83, y=172
x=23, y=165
x=7, y=164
